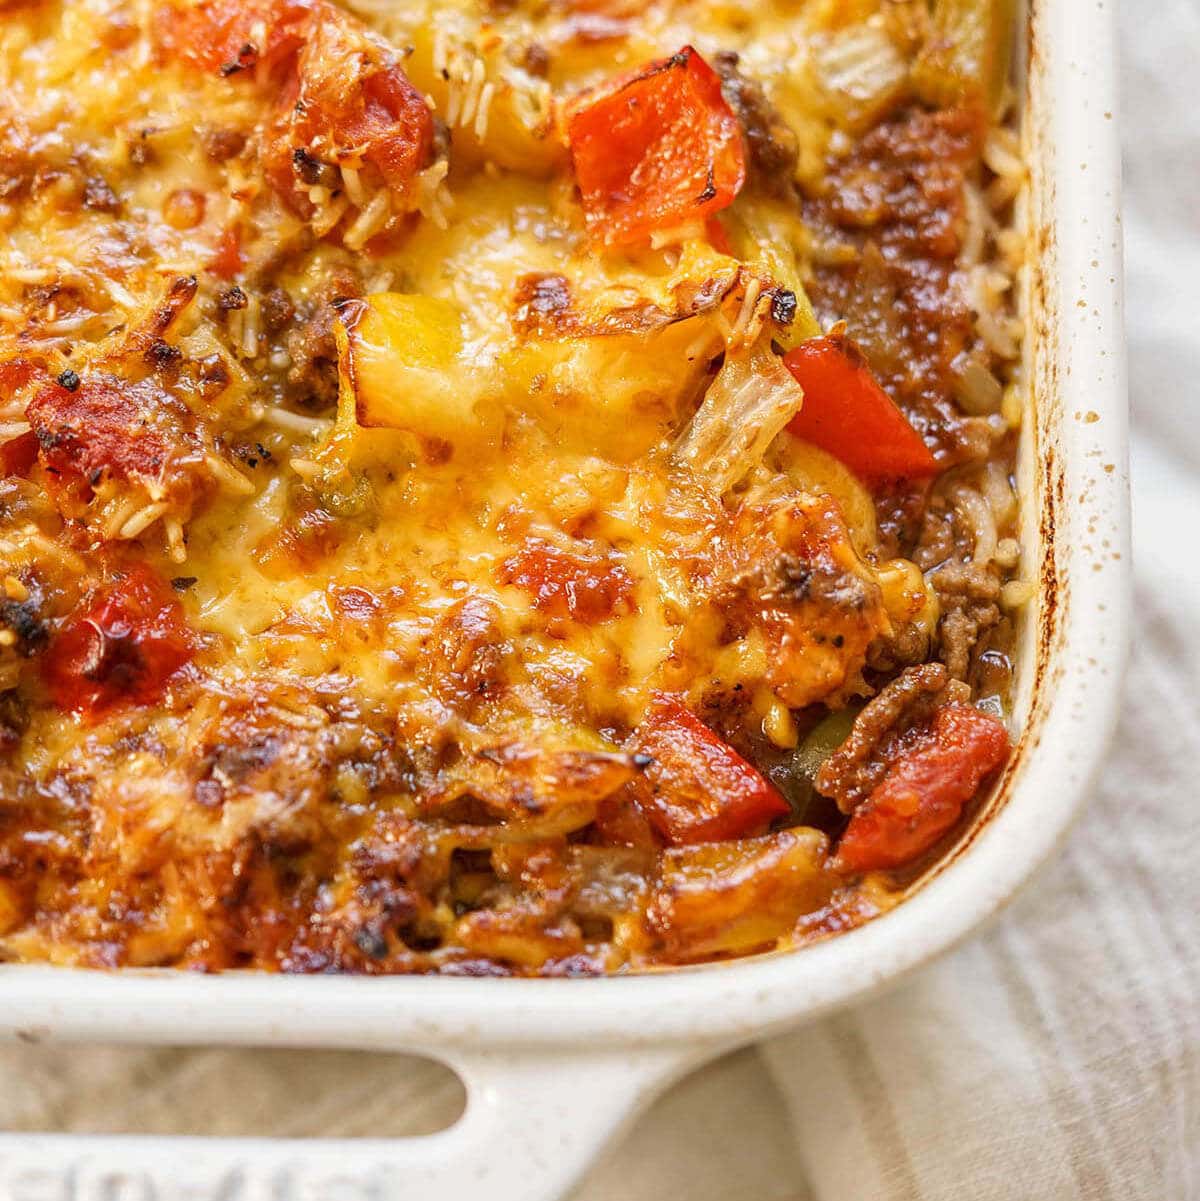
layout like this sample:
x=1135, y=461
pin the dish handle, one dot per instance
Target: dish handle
x=533, y=1123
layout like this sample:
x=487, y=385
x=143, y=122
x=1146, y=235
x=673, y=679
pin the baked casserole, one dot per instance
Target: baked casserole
x=512, y=487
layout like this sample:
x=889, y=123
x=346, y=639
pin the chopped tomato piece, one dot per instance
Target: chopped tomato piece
x=354, y=103
x=228, y=260
x=566, y=585
x=99, y=426
x=925, y=790
x=120, y=648
x=655, y=149
x=228, y=36
x=15, y=374
x=340, y=95
x=18, y=454
x=698, y=788
x=350, y=102
x=848, y=414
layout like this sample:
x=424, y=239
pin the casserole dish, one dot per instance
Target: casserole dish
x=554, y=1068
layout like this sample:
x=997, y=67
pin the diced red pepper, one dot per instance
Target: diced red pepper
x=848, y=414
x=655, y=149
x=925, y=790
x=120, y=648
x=699, y=788
x=566, y=585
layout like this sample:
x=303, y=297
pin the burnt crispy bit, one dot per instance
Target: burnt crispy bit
x=162, y=355
x=69, y=380
x=162, y=319
x=24, y=621
x=783, y=306
x=312, y=171
x=246, y=57
x=542, y=304
x=231, y=299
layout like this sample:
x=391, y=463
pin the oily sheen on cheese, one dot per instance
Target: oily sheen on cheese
x=411, y=559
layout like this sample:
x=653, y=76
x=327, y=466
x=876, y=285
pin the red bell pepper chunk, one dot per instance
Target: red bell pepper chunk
x=120, y=648
x=655, y=149
x=848, y=414
x=925, y=790
x=699, y=788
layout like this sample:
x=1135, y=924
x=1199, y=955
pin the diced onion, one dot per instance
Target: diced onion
x=862, y=69
x=966, y=55
x=752, y=398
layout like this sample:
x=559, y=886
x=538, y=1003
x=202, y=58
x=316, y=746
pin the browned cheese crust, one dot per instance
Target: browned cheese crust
x=406, y=566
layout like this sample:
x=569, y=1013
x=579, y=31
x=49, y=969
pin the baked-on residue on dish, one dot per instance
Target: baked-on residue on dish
x=498, y=488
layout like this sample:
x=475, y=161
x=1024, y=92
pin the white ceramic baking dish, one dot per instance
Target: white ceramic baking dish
x=554, y=1068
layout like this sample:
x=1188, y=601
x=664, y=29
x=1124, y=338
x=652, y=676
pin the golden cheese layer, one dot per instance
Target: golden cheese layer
x=399, y=572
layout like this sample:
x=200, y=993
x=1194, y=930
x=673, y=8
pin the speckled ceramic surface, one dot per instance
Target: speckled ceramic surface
x=555, y=1067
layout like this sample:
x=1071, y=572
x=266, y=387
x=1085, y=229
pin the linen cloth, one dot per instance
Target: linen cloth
x=1054, y=1058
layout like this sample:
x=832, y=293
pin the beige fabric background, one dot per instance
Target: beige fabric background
x=1056, y=1058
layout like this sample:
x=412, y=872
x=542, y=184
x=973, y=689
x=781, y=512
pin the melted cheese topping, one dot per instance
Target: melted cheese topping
x=397, y=416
